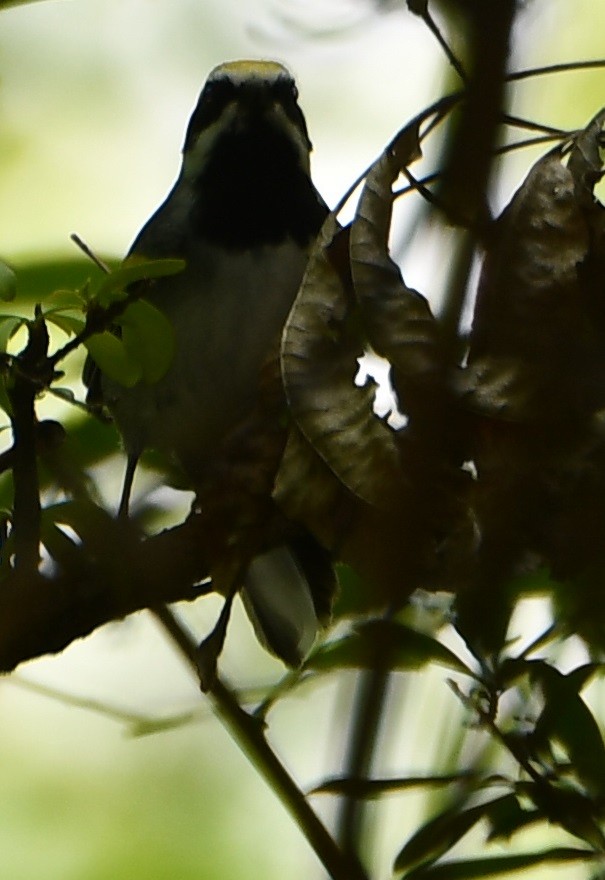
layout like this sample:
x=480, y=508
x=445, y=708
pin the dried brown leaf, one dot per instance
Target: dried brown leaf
x=536, y=379
x=393, y=551
x=320, y=348
x=397, y=320
x=585, y=163
x=531, y=339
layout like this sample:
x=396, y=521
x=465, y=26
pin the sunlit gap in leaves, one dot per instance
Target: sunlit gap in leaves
x=49, y=566
x=386, y=406
x=164, y=506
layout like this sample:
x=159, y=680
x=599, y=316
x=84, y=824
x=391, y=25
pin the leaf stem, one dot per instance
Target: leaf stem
x=566, y=67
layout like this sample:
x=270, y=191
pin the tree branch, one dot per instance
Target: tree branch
x=29, y=367
x=43, y=614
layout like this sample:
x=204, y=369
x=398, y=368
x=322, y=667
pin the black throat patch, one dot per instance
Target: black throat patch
x=253, y=191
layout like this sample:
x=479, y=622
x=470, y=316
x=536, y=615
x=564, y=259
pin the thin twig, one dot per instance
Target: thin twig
x=419, y=187
x=486, y=720
x=248, y=732
x=531, y=125
x=90, y=253
x=101, y=319
x=451, y=57
x=527, y=142
x=418, y=182
x=566, y=67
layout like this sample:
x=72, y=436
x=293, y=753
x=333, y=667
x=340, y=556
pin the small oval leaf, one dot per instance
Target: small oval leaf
x=111, y=356
x=64, y=299
x=9, y=324
x=440, y=833
x=148, y=336
x=132, y=270
x=405, y=648
x=69, y=324
x=477, y=869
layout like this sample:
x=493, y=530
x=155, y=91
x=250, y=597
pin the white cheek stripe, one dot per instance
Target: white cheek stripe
x=195, y=158
x=295, y=134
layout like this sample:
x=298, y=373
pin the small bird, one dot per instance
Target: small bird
x=242, y=215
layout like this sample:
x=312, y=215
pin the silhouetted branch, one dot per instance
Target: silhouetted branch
x=44, y=614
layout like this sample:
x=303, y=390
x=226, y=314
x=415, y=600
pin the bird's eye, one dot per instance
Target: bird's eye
x=215, y=96
x=217, y=92
x=209, y=90
x=286, y=92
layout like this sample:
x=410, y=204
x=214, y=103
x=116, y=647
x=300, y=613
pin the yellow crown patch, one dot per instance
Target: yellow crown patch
x=249, y=69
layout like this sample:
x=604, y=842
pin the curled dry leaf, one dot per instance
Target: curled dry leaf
x=536, y=381
x=382, y=501
x=397, y=320
x=536, y=349
x=584, y=163
x=320, y=347
x=392, y=551
x=538, y=335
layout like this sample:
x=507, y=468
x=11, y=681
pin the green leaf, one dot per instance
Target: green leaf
x=567, y=719
x=567, y=807
x=90, y=440
x=509, y=817
x=132, y=270
x=9, y=324
x=351, y=598
x=476, y=869
x=69, y=324
x=64, y=299
x=148, y=726
x=380, y=641
x=8, y=283
x=148, y=337
x=579, y=677
x=440, y=834
x=375, y=788
x=7, y=4
x=41, y=282
x=112, y=357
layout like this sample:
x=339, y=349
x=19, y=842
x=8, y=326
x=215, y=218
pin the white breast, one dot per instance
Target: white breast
x=227, y=309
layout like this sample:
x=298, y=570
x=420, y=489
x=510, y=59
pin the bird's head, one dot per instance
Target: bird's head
x=247, y=102
x=246, y=159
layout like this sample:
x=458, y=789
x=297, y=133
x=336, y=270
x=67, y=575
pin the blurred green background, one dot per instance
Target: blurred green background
x=94, y=99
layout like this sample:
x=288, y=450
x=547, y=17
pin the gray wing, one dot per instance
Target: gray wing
x=166, y=232
x=164, y=235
